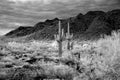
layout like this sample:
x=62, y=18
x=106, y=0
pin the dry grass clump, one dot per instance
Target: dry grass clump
x=102, y=61
x=28, y=72
x=33, y=47
x=109, y=51
x=16, y=46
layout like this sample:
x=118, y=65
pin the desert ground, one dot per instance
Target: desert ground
x=39, y=60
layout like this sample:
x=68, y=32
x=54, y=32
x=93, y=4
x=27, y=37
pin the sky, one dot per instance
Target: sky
x=15, y=13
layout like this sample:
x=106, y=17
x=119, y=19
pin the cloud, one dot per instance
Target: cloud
x=29, y=12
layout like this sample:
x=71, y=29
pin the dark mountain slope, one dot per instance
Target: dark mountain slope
x=104, y=24
x=45, y=33
x=98, y=27
x=21, y=31
x=91, y=25
x=113, y=18
x=89, y=17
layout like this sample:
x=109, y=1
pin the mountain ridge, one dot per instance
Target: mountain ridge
x=93, y=24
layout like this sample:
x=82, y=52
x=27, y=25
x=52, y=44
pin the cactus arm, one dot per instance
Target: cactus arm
x=68, y=29
x=59, y=30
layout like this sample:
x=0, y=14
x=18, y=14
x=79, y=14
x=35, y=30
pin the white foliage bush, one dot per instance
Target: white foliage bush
x=108, y=54
x=54, y=44
x=16, y=45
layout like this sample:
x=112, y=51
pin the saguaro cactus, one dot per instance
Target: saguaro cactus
x=59, y=37
x=69, y=37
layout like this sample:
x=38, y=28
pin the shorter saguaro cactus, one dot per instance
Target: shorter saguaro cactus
x=69, y=37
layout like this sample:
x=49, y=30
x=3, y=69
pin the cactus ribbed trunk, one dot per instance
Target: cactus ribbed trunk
x=68, y=29
x=60, y=49
x=68, y=45
x=68, y=41
x=60, y=40
x=69, y=36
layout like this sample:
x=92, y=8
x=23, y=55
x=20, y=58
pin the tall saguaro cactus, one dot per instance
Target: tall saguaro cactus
x=59, y=37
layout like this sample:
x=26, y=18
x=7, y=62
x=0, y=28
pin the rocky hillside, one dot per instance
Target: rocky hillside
x=90, y=26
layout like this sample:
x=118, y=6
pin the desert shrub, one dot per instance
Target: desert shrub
x=28, y=72
x=109, y=55
x=38, y=44
x=101, y=61
x=59, y=71
x=17, y=46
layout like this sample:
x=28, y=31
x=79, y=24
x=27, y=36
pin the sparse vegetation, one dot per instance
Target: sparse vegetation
x=91, y=60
